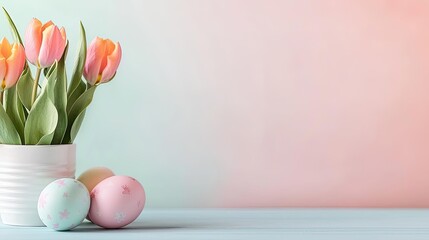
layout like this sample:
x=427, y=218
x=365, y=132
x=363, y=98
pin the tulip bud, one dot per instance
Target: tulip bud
x=102, y=61
x=12, y=61
x=44, y=44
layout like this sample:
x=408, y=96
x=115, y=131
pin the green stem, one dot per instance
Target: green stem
x=35, y=86
x=1, y=96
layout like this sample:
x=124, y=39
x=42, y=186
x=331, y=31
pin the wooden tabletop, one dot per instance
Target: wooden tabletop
x=270, y=224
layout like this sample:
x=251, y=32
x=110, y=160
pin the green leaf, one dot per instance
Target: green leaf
x=43, y=117
x=76, y=126
x=48, y=71
x=76, y=111
x=59, y=99
x=8, y=133
x=15, y=111
x=24, y=87
x=79, y=65
x=46, y=140
x=15, y=32
x=81, y=88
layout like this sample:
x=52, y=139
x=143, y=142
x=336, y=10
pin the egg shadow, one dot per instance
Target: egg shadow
x=135, y=226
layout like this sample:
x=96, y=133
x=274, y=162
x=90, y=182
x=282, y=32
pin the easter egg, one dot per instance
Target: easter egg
x=91, y=177
x=116, y=202
x=63, y=204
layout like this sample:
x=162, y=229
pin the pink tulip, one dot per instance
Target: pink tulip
x=12, y=60
x=44, y=44
x=102, y=61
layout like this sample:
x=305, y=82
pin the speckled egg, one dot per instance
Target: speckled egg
x=93, y=176
x=116, y=202
x=63, y=204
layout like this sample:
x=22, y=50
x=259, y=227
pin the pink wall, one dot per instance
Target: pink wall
x=323, y=103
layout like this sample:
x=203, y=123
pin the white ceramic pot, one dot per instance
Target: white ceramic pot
x=24, y=171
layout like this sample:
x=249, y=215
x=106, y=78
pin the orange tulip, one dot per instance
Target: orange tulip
x=12, y=60
x=44, y=44
x=102, y=61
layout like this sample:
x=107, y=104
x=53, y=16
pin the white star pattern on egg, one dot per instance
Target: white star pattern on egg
x=119, y=217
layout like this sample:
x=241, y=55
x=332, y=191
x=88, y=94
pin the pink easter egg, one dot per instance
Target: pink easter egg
x=116, y=202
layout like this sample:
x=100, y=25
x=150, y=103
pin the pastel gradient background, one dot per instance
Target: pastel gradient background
x=242, y=103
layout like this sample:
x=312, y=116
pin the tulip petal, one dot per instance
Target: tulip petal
x=63, y=33
x=3, y=70
x=113, y=60
x=94, y=58
x=33, y=41
x=46, y=25
x=5, y=48
x=109, y=46
x=15, y=65
x=59, y=43
x=45, y=48
x=53, y=46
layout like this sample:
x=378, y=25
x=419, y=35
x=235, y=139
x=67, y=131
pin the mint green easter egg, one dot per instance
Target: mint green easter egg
x=63, y=204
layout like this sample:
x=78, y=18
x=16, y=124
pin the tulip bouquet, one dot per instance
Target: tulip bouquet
x=43, y=108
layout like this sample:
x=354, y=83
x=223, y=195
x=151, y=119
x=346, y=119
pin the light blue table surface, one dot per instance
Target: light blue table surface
x=250, y=224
